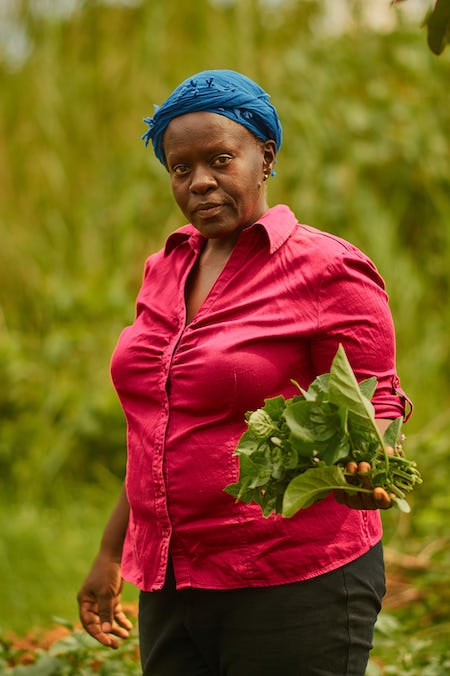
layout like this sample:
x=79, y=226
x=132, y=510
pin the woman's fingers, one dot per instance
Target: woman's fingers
x=358, y=473
x=112, y=619
x=122, y=620
x=103, y=622
x=381, y=498
x=363, y=473
x=90, y=619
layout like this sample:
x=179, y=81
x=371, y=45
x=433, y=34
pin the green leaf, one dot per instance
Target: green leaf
x=344, y=389
x=256, y=473
x=438, y=23
x=248, y=444
x=402, y=505
x=337, y=449
x=392, y=433
x=326, y=421
x=298, y=418
x=251, y=475
x=363, y=435
x=318, y=390
x=311, y=486
x=234, y=489
x=367, y=387
x=275, y=407
x=240, y=491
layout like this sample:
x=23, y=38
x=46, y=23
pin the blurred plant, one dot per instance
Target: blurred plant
x=76, y=654
x=437, y=22
x=403, y=651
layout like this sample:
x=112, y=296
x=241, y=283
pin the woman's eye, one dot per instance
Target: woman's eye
x=180, y=169
x=221, y=160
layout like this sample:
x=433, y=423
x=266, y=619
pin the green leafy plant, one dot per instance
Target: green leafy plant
x=295, y=451
x=76, y=654
x=424, y=651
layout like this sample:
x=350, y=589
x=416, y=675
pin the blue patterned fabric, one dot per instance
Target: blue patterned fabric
x=224, y=92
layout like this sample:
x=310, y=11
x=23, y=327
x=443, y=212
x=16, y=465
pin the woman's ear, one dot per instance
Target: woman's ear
x=269, y=155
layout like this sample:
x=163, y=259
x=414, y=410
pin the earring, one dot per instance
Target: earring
x=266, y=176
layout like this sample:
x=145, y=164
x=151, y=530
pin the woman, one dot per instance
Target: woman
x=238, y=302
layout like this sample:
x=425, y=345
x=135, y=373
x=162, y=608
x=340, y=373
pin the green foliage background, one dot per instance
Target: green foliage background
x=366, y=156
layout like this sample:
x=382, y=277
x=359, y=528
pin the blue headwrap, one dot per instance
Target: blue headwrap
x=224, y=92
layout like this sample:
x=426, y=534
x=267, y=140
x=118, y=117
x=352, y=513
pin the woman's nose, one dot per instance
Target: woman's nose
x=202, y=180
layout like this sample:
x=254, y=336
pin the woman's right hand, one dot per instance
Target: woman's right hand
x=100, y=608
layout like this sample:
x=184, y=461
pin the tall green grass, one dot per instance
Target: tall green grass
x=46, y=551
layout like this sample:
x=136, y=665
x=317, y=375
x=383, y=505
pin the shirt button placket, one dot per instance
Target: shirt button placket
x=160, y=487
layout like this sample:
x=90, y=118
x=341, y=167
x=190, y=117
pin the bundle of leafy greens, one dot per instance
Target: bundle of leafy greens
x=295, y=451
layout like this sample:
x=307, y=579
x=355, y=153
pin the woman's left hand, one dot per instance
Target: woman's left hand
x=377, y=499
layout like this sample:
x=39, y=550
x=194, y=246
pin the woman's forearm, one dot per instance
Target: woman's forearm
x=116, y=528
x=382, y=424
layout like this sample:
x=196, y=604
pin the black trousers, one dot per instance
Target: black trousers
x=319, y=627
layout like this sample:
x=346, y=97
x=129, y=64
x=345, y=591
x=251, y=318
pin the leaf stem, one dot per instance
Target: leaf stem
x=349, y=488
x=382, y=444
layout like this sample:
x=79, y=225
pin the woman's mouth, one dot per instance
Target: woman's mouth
x=208, y=210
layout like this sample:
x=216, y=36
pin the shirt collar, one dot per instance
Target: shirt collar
x=278, y=224
x=187, y=232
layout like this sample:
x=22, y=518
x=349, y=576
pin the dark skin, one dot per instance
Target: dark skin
x=218, y=172
x=100, y=608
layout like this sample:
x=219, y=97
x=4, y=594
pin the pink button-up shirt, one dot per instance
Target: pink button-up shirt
x=288, y=295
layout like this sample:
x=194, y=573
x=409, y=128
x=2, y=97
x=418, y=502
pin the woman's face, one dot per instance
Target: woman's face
x=217, y=172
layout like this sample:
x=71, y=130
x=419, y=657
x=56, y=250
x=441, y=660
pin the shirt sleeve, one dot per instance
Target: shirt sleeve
x=353, y=310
